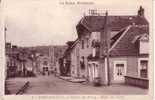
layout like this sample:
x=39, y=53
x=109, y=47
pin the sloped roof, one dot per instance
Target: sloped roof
x=125, y=46
x=143, y=37
x=70, y=47
x=116, y=36
x=93, y=23
x=96, y=23
x=118, y=22
x=70, y=43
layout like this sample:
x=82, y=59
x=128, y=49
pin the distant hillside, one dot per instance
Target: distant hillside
x=47, y=50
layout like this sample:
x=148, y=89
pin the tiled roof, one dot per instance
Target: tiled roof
x=93, y=23
x=118, y=22
x=96, y=23
x=70, y=43
x=115, y=38
x=70, y=47
x=125, y=46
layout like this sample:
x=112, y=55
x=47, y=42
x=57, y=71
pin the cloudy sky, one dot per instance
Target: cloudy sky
x=48, y=22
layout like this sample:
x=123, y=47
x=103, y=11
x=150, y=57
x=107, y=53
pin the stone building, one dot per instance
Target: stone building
x=110, y=47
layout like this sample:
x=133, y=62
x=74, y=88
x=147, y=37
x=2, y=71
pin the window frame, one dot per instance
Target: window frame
x=87, y=43
x=139, y=66
x=82, y=44
x=124, y=62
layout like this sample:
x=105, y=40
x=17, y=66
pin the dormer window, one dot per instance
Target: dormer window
x=144, y=44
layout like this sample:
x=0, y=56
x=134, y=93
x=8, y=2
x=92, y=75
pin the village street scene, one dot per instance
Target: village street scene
x=109, y=54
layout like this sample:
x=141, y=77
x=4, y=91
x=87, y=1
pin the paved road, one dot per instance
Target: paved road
x=53, y=85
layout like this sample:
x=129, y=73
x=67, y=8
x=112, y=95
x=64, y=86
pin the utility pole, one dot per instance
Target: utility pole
x=107, y=33
x=5, y=34
x=6, y=73
x=104, y=47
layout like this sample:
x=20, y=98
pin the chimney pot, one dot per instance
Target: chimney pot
x=141, y=11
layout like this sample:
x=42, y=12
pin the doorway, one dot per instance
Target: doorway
x=119, y=71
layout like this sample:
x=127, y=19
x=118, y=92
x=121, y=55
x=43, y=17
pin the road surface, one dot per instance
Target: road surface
x=54, y=85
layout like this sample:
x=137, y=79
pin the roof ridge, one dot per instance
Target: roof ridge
x=84, y=24
x=75, y=43
x=127, y=28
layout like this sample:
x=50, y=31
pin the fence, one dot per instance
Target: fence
x=136, y=81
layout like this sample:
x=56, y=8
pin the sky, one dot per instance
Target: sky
x=49, y=22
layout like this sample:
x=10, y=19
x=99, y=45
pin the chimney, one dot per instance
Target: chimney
x=8, y=45
x=141, y=11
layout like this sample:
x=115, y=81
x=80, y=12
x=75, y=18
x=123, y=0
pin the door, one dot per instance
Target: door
x=78, y=65
x=119, y=71
x=93, y=71
x=90, y=74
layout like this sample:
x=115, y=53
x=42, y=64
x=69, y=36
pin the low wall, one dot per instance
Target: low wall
x=137, y=81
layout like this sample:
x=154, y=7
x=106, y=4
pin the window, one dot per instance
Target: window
x=77, y=51
x=120, y=69
x=82, y=63
x=143, y=68
x=82, y=44
x=45, y=63
x=96, y=36
x=8, y=64
x=87, y=43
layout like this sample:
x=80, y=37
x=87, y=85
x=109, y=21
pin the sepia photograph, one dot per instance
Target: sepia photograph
x=71, y=47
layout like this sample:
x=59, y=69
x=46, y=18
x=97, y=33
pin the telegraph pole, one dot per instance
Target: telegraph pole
x=6, y=73
x=105, y=45
x=104, y=48
x=5, y=29
x=107, y=32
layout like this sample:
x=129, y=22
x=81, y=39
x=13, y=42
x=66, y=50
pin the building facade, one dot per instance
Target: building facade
x=12, y=61
x=111, y=47
x=44, y=64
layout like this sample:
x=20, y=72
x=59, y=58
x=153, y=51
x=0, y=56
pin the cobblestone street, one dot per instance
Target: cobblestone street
x=54, y=85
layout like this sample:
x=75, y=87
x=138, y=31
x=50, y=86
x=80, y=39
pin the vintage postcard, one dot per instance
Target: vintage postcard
x=76, y=49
